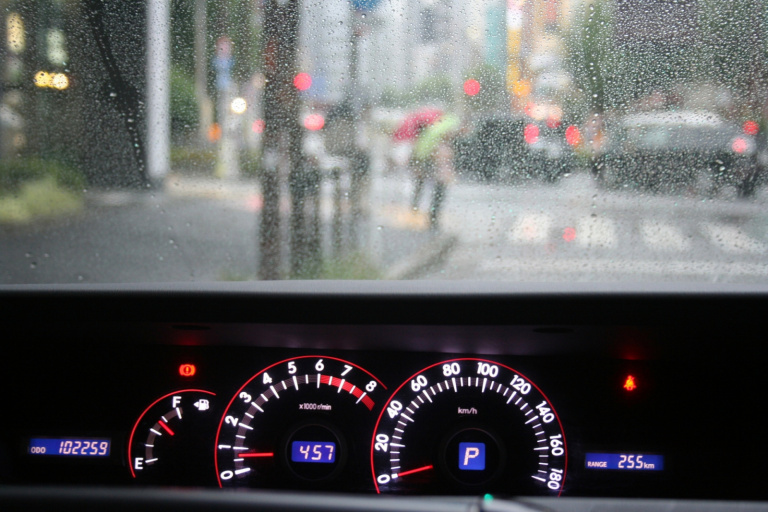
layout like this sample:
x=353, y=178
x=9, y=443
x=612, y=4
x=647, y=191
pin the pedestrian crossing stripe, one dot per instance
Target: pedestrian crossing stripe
x=595, y=232
x=732, y=239
x=531, y=228
x=663, y=236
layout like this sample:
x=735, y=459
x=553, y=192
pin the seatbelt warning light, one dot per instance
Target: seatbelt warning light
x=629, y=383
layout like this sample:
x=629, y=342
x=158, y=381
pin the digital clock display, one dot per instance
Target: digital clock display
x=69, y=447
x=625, y=461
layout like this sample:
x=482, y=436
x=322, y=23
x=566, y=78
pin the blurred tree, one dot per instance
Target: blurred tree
x=184, y=109
x=733, y=48
x=590, y=48
x=493, y=95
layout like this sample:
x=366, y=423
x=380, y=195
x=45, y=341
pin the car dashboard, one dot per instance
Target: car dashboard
x=318, y=395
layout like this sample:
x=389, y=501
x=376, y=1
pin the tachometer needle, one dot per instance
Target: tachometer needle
x=411, y=471
x=263, y=454
x=166, y=427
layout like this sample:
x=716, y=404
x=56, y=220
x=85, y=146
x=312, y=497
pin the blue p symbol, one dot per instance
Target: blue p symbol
x=472, y=456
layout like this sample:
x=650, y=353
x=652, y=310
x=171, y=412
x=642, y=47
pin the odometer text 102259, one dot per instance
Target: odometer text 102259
x=466, y=426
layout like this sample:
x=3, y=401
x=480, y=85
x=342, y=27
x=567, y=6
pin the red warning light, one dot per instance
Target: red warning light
x=569, y=234
x=629, y=383
x=187, y=370
x=471, y=87
x=751, y=128
x=302, y=81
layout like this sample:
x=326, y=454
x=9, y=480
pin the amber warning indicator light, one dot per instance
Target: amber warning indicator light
x=187, y=370
x=629, y=383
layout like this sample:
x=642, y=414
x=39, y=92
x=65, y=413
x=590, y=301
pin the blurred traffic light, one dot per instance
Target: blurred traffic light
x=314, y=122
x=751, y=128
x=531, y=133
x=573, y=135
x=471, y=87
x=302, y=81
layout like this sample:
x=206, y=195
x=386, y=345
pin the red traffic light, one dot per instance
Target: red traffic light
x=751, y=128
x=314, y=122
x=302, y=81
x=531, y=133
x=572, y=135
x=471, y=87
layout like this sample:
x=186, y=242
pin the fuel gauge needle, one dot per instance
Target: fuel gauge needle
x=166, y=427
x=412, y=471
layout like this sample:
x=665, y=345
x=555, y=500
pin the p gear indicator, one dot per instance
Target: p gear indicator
x=472, y=456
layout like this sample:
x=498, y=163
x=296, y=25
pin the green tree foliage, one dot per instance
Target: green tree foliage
x=184, y=109
x=590, y=52
x=733, y=46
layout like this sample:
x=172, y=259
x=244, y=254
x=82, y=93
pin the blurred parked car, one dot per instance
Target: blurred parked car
x=675, y=149
x=506, y=148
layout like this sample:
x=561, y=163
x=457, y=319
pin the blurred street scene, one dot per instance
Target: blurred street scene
x=566, y=140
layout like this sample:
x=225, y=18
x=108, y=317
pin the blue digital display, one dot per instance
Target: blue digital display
x=625, y=461
x=472, y=456
x=323, y=452
x=69, y=447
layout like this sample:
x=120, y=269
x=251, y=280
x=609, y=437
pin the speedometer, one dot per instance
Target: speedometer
x=467, y=426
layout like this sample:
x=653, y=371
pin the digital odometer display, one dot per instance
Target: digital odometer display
x=625, y=461
x=69, y=447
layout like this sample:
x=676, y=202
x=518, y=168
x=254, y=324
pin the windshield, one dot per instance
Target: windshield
x=517, y=140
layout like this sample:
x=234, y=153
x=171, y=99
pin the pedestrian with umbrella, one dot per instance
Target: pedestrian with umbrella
x=433, y=162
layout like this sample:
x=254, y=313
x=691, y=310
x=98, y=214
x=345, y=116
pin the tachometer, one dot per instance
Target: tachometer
x=468, y=426
x=298, y=423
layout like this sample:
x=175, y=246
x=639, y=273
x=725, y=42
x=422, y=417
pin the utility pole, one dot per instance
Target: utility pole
x=158, y=89
x=282, y=134
x=201, y=71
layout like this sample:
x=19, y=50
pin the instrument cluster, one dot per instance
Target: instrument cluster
x=351, y=409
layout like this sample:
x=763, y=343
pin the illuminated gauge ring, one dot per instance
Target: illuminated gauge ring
x=297, y=424
x=466, y=426
x=167, y=442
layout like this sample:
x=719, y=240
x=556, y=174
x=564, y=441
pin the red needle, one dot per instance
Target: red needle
x=166, y=427
x=410, y=472
x=266, y=454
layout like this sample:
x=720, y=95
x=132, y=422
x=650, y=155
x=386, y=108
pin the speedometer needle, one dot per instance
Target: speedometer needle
x=263, y=454
x=412, y=471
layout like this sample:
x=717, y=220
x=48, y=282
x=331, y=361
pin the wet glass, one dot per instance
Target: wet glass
x=520, y=140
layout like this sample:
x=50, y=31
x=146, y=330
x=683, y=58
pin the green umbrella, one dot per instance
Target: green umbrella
x=433, y=134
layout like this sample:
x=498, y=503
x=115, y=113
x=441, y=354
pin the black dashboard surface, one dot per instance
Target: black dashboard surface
x=358, y=390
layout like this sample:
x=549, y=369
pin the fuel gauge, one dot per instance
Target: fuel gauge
x=169, y=442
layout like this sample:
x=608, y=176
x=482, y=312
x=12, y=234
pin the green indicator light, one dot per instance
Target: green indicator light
x=488, y=497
